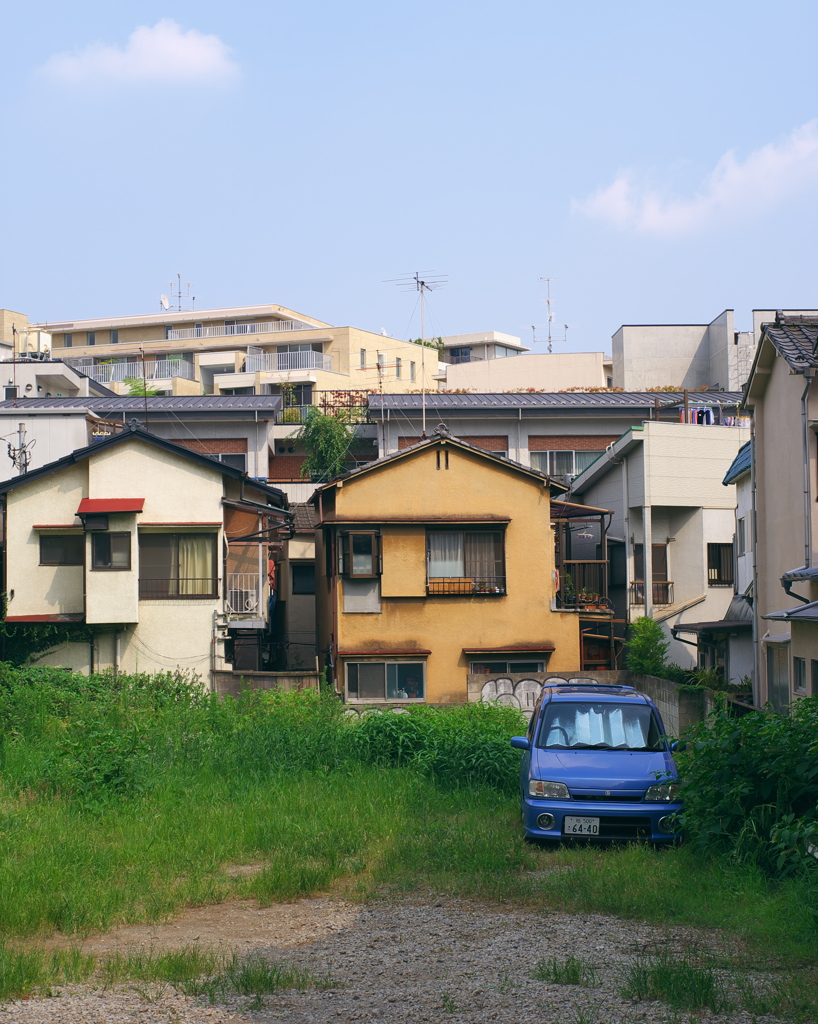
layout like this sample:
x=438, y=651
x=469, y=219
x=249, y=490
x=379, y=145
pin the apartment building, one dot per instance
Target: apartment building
x=266, y=349
x=159, y=551
x=559, y=434
x=663, y=483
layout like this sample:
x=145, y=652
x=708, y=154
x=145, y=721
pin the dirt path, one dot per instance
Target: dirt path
x=401, y=961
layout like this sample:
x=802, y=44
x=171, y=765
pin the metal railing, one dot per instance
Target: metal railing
x=466, y=585
x=242, y=593
x=229, y=331
x=116, y=373
x=298, y=413
x=287, y=361
x=173, y=589
x=662, y=592
x=582, y=583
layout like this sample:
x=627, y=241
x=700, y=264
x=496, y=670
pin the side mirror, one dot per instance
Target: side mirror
x=521, y=742
x=674, y=745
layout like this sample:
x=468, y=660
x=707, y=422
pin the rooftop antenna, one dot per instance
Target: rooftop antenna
x=180, y=297
x=548, y=281
x=422, y=281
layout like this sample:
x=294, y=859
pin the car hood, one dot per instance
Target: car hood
x=604, y=770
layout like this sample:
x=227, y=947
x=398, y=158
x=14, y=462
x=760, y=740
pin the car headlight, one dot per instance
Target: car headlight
x=548, y=790
x=665, y=792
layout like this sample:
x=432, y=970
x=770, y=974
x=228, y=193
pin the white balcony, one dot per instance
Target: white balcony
x=272, y=327
x=155, y=369
x=243, y=594
x=273, y=361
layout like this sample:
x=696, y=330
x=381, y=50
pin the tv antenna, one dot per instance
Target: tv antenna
x=20, y=454
x=549, y=307
x=180, y=298
x=421, y=281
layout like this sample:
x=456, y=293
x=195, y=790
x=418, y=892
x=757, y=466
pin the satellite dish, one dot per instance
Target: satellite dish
x=163, y=300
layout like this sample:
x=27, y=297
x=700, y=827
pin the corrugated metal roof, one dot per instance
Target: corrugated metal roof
x=553, y=400
x=156, y=403
x=741, y=464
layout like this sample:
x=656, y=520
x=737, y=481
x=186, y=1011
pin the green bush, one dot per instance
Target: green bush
x=750, y=785
x=646, y=647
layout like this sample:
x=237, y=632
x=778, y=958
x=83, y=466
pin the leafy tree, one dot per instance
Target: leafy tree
x=137, y=386
x=327, y=440
x=646, y=648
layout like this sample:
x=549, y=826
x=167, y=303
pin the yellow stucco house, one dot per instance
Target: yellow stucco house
x=434, y=563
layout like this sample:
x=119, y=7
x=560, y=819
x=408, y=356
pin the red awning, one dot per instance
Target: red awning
x=102, y=505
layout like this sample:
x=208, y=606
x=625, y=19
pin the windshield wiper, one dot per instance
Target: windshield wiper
x=591, y=746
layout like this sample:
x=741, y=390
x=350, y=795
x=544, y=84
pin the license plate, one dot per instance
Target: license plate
x=573, y=826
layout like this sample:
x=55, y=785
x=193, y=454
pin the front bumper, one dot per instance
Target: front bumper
x=617, y=820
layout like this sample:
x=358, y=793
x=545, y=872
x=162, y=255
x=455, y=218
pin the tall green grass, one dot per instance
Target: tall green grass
x=122, y=800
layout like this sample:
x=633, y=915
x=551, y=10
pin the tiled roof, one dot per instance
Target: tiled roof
x=795, y=337
x=552, y=400
x=741, y=464
x=304, y=517
x=156, y=403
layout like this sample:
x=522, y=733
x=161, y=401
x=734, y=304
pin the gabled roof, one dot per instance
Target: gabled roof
x=441, y=435
x=795, y=338
x=134, y=431
x=741, y=464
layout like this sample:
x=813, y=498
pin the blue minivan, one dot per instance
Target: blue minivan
x=597, y=764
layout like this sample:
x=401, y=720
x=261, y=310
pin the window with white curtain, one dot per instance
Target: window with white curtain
x=465, y=562
x=177, y=565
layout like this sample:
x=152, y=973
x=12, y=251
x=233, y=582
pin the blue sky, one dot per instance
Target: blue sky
x=660, y=161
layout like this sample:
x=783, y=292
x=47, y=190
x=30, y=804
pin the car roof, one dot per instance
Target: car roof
x=598, y=692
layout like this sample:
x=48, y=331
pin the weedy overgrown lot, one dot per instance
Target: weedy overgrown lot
x=122, y=800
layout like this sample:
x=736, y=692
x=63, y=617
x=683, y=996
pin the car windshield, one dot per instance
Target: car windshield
x=591, y=725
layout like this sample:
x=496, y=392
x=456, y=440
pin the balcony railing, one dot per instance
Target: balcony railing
x=271, y=327
x=157, y=369
x=662, y=592
x=583, y=584
x=464, y=585
x=242, y=594
x=173, y=589
x=348, y=413
x=287, y=361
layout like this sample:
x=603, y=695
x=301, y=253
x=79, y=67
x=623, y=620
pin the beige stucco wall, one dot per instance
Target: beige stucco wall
x=445, y=624
x=549, y=371
x=43, y=589
x=112, y=595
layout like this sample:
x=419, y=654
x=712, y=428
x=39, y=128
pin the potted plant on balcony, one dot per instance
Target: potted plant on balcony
x=588, y=598
x=567, y=589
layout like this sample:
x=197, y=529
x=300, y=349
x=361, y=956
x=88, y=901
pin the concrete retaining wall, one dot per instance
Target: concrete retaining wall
x=232, y=683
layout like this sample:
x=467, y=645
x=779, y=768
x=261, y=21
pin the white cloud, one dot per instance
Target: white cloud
x=733, y=190
x=163, y=53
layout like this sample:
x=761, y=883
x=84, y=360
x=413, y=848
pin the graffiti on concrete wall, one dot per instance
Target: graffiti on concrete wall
x=524, y=693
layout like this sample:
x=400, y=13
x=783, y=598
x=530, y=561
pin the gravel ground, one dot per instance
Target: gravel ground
x=396, y=961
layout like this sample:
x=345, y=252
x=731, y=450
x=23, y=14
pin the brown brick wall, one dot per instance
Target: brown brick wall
x=569, y=442
x=216, y=445
x=286, y=467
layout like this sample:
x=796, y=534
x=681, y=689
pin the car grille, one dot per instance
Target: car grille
x=636, y=827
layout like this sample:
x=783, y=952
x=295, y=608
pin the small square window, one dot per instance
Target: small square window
x=303, y=577
x=110, y=551
x=114, y=337
x=361, y=554
x=62, y=549
x=68, y=340
x=91, y=338
x=720, y=565
x=799, y=674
